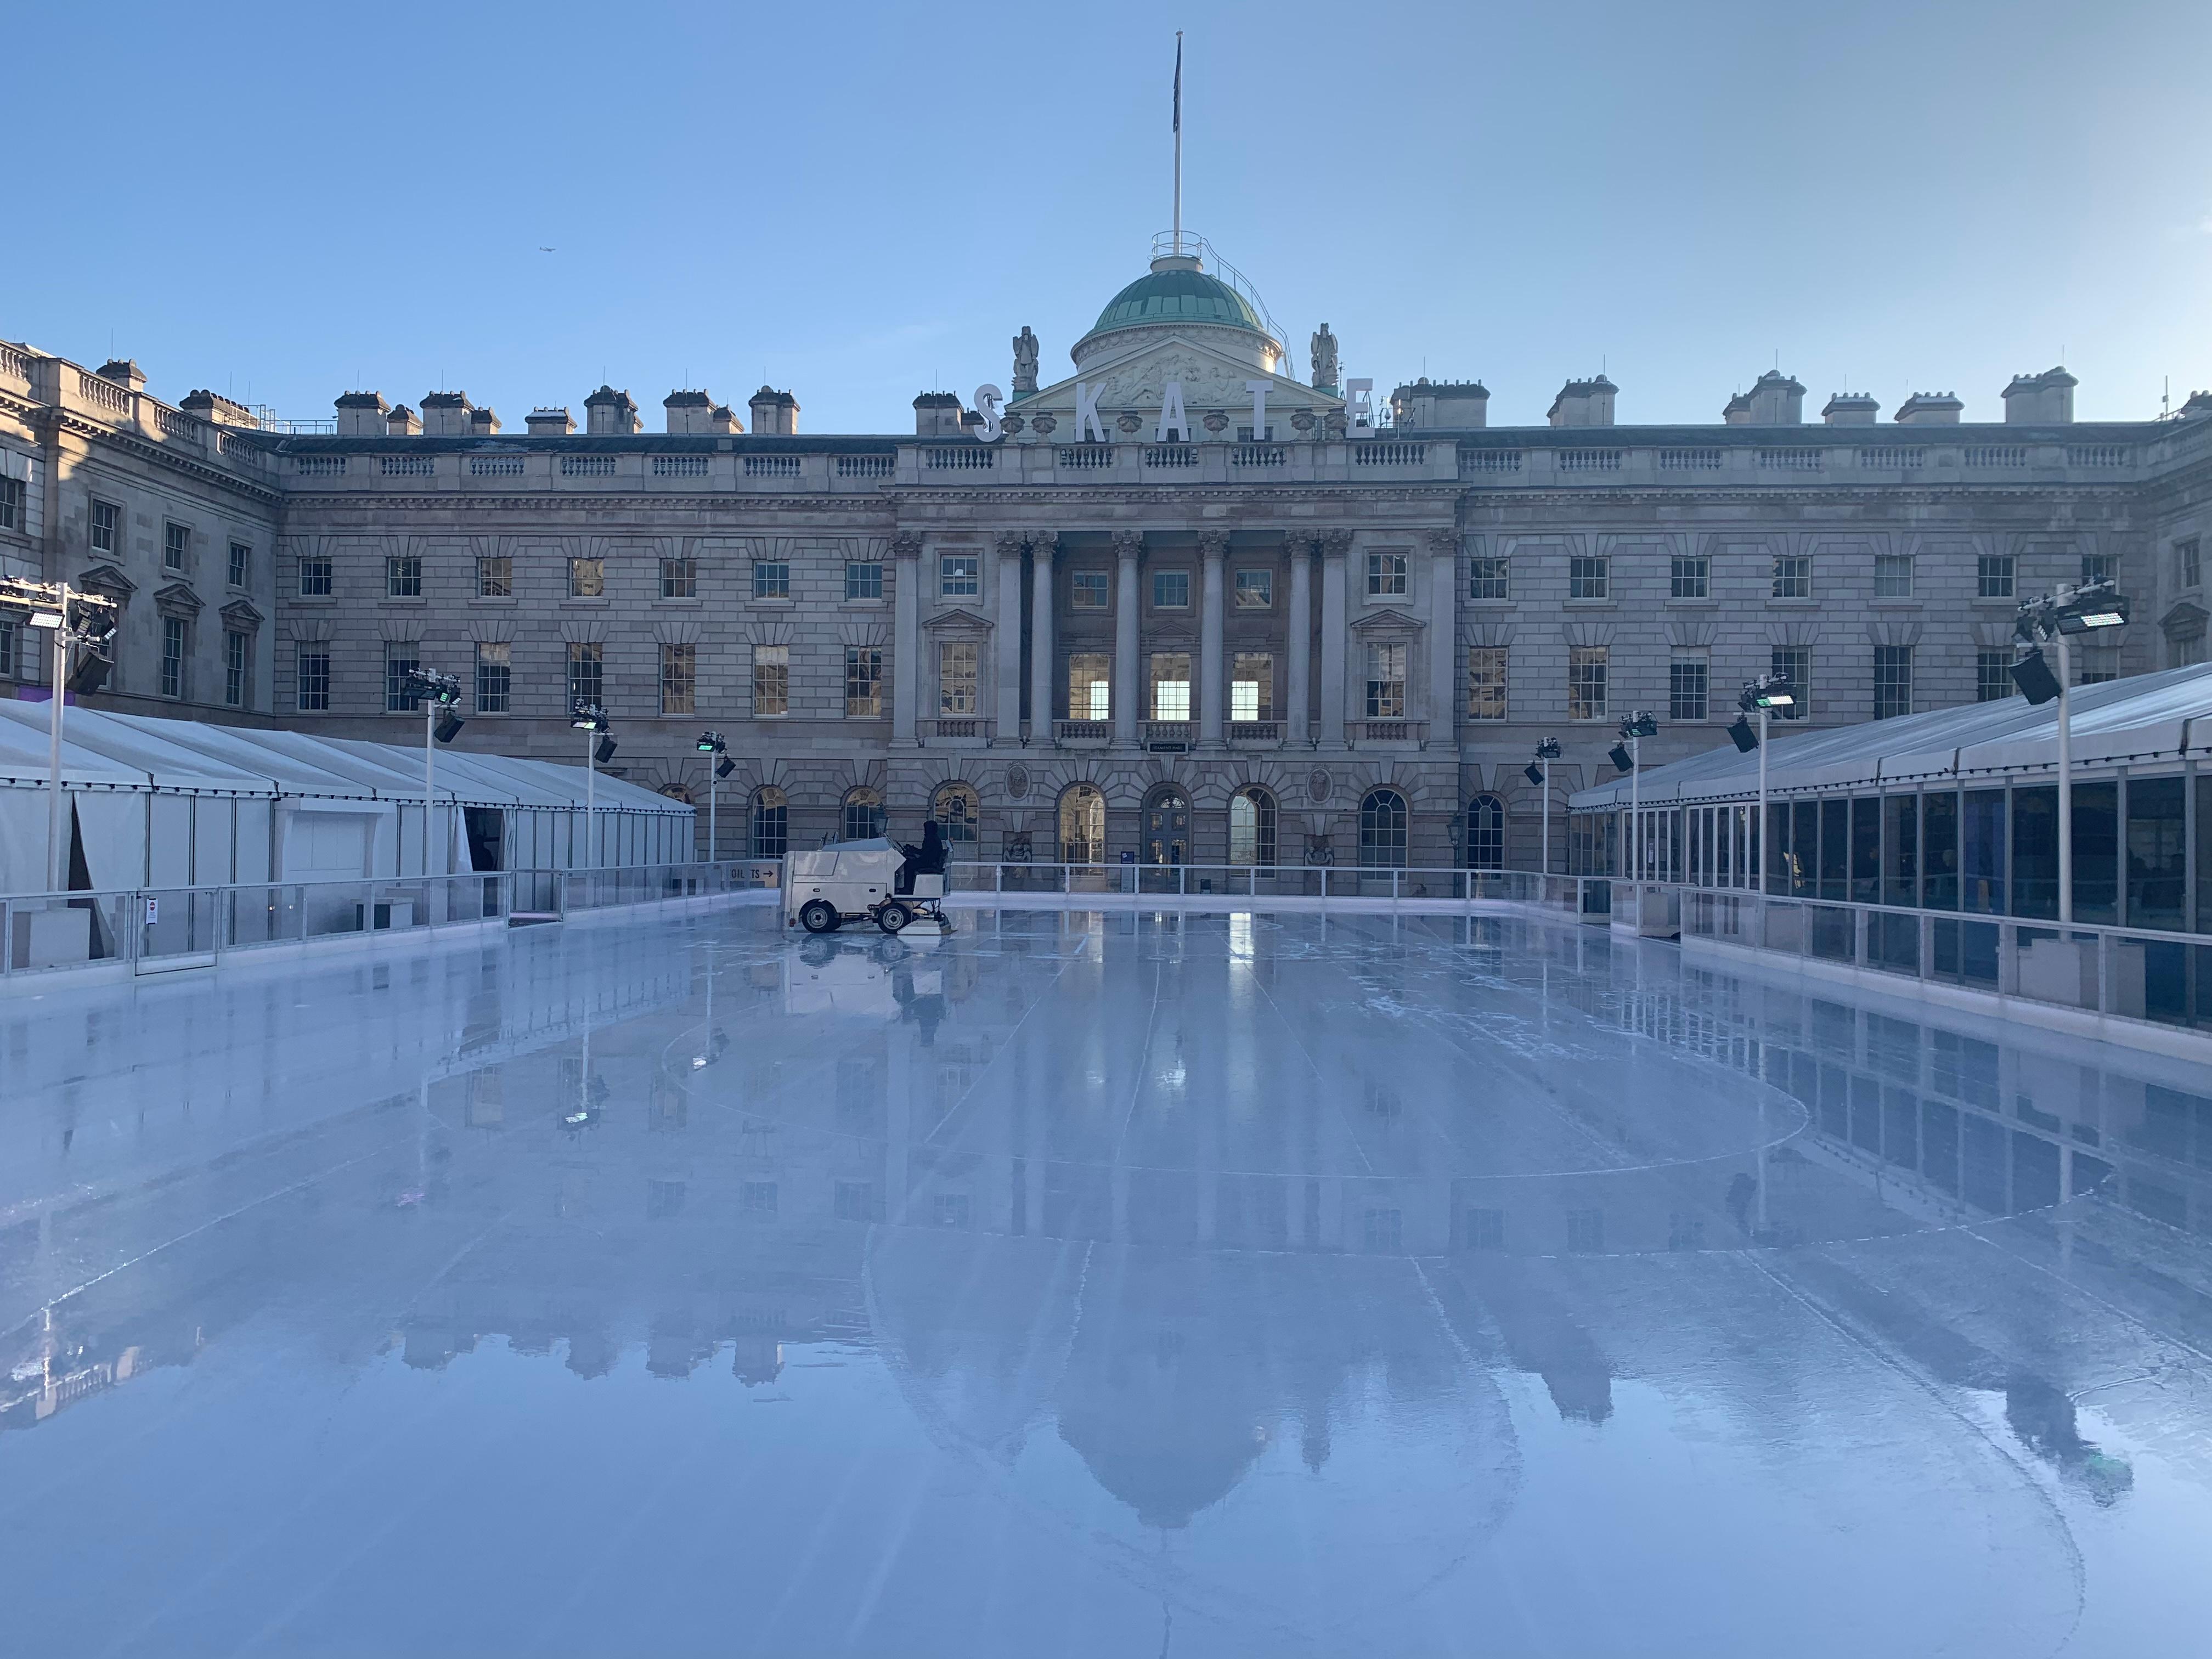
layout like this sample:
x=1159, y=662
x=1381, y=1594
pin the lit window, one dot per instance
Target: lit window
x=956, y=671
x=587, y=578
x=1170, y=684
x=1386, y=681
x=1090, y=686
x=1252, y=687
x=771, y=680
x=1485, y=683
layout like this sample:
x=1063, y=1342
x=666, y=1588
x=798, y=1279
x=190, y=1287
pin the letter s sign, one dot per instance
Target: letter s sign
x=987, y=399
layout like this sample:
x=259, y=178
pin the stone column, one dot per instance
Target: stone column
x=1213, y=678
x=1336, y=546
x=1043, y=667
x=1006, y=643
x=1444, y=639
x=1128, y=544
x=906, y=637
x=1299, y=639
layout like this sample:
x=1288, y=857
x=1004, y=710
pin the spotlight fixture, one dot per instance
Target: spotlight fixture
x=449, y=726
x=2032, y=675
x=1536, y=777
x=45, y=619
x=724, y=767
x=1620, y=756
x=1548, y=750
x=605, y=751
x=1746, y=738
x=710, y=742
x=430, y=686
x=1642, y=724
x=587, y=716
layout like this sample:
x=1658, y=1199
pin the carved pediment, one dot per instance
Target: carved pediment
x=1212, y=379
x=240, y=617
x=1387, y=621
x=177, y=600
x=2183, y=620
x=958, y=622
x=106, y=580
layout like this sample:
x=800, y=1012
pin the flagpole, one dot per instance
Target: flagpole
x=1178, y=145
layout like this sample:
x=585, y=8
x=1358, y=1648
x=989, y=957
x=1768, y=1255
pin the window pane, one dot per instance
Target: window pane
x=313, y=677
x=1993, y=675
x=1893, y=681
x=1794, y=663
x=495, y=577
x=956, y=668
x=1088, y=590
x=1170, y=685
x=401, y=659
x=864, y=580
x=1691, y=574
x=1488, y=580
x=241, y=564
x=1687, y=685
x=771, y=579
x=1793, y=576
x=1893, y=576
x=1252, y=687
x=1089, y=687
x=1586, y=682
x=1587, y=577
x=1255, y=589
x=680, y=666
x=959, y=575
x=1170, y=590
x=771, y=679
x=864, y=677
x=1993, y=576
x=679, y=579
x=1485, y=683
x=586, y=672
x=494, y=676
x=315, y=578
x=402, y=577
x=1385, y=575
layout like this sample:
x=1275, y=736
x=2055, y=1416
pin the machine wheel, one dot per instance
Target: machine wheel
x=818, y=916
x=893, y=915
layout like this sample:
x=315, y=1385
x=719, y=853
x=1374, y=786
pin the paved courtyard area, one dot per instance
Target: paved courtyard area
x=1083, y=1283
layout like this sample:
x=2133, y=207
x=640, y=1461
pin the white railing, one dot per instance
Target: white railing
x=1170, y=455
x=1892, y=457
x=1387, y=731
x=1790, y=460
x=978, y=459
x=957, y=727
x=1256, y=733
x=587, y=466
x=1083, y=731
x=865, y=466
x=1086, y=457
x=1690, y=461
x=1995, y=455
x=182, y=428
x=407, y=466
x=679, y=466
x=1589, y=460
x=1376, y=452
x=104, y=394
x=496, y=467
x=2096, y=455
x=1260, y=455
x=319, y=466
x=773, y=466
x=1491, y=460
x=16, y=365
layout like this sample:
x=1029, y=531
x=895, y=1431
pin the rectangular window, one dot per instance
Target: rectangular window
x=2099, y=567
x=401, y=659
x=1892, y=575
x=771, y=680
x=1794, y=663
x=495, y=577
x=1993, y=675
x=106, y=526
x=864, y=580
x=241, y=564
x=1386, y=575
x=176, y=544
x=1256, y=590
x=1170, y=684
x=174, y=649
x=587, y=672
x=2096, y=675
x=1487, y=581
x=1587, y=577
x=679, y=678
x=1993, y=576
x=314, y=575
x=587, y=578
x=237, y=668
x=2188, y=564
x=1893, y=681
x=1692, y=576
x=12, y=497
x=1686, y=677
x=959, y=575
x=956, y=677
x=1091, y=686
x=1087, y=589
x=1586, y=678
x=1386, y=681
x=679, y=579
x=403, y=576
x=1170, y=591
x=1485, y=683
x=494, y=677
x=1252, y=687
x=771, y=579
x=313, y=672
x=1793, y=575
x=864, y=682
x=11, y=646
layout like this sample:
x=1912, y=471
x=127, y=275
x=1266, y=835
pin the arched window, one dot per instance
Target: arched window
x=1486, y=833
x=956, y=808
x=1167, y=826
x=1252, y=827
x=864, y=813
x=1083, y=825
x=1382, y=828
x=771, y=823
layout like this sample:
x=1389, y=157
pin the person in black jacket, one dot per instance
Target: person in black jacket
x=927, y=860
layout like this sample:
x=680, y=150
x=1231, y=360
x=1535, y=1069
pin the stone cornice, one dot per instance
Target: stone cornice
x=59, y=420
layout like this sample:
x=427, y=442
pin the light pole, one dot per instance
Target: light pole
x=73, y=618
x=599, y=748
x=720, y=767
x=2067, y=611
x=1761, y=696
x=1628, y=755
x=1547, y=752
x=438, y=694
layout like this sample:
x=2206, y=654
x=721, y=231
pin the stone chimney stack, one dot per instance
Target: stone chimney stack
x=689, y=412
x=1775, y=399
x=2044, y=400
x=610, y=413
x=216, y=411
x=446, y=414
x=402, y=423
x=1850, y=408
x=1584, y=403
x=2199, y=406
x=937, y=415
x=1929, y=409
x=724, y=419
x=362, y=414
x=124, y=372
x=1736, y=411
x=483, y=423
x=775, y=414
x=548, y=423
x=1449, y=406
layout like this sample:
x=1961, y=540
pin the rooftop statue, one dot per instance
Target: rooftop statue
x=1323, y=354
x=1025, y=361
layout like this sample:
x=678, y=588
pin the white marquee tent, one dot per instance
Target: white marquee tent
x=162, y=803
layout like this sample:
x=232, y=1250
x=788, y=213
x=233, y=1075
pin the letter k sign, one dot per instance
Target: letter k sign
x=1087, y=423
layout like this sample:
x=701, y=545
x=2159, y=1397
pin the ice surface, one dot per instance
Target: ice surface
x=1086, y=1284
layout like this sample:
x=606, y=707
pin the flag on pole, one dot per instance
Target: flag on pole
x=1178, y=81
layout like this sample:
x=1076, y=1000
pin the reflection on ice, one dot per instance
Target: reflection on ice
x=1282, y=1282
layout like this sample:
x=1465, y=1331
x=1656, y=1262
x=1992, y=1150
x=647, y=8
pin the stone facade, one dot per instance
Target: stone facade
x=1313, y=609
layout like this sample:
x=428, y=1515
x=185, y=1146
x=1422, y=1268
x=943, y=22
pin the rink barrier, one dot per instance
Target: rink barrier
x=157, y=929
x=1207, y=886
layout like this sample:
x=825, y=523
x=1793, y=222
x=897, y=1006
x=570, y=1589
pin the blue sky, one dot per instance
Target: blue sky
x=862, y=203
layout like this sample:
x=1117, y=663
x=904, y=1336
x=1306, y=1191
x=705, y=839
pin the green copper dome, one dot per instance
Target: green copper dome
x=1178, y=296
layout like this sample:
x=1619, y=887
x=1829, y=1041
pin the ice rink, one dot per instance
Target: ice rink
x=1091, y=1284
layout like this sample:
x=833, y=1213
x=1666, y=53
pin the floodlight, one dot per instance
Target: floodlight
x=710, y=742
x=1548, y=750
x=587, y=716
x=2035, y=678
x=45, y=619
x=605, y=751
x=449, y=726
x=1777, y=696
x=90, y=672
x=1746, y=738
x=1535, y=776
x=724, y=767
x=1642, y=725
x=1620, y=758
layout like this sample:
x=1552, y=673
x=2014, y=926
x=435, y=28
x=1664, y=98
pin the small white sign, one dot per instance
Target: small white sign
x=152, y=911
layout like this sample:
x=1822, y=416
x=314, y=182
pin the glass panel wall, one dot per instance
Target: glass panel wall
x=1866, y=850
x=2157, y=852
x=1939, y=840
x=2097, y=852
x=1835, y=848
x=1900, y=863
x=1983, y=860
x=2035, y=851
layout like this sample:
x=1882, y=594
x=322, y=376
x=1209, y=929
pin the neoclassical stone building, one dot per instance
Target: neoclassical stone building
x=1181, y=605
